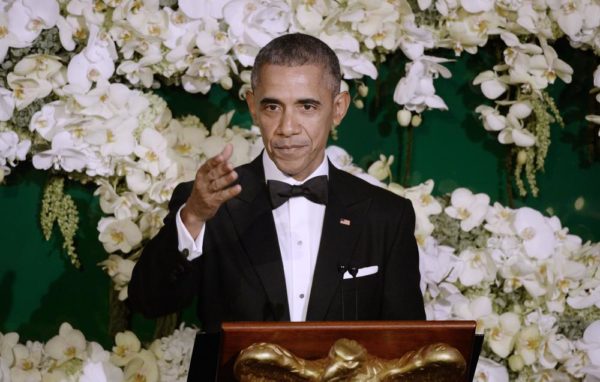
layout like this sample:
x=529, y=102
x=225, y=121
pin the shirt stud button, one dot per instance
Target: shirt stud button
x=301, y=295
x=299, y=242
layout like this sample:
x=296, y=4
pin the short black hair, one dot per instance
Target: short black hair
x=297, y=49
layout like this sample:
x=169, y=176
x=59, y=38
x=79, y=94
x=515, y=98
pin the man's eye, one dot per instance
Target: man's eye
x=271, y=107
x=308, y=106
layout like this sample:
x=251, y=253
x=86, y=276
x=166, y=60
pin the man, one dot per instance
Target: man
x=254, y=248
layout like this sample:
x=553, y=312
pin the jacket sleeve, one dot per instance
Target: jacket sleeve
x=163, y=280
x=402, y=298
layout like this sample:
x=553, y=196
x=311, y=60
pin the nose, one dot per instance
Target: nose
x=288, y=125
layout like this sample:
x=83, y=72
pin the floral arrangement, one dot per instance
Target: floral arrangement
x=69, y=357
x=533, y=289
x=76, y=81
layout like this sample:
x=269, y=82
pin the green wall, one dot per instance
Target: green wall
x=39, y=288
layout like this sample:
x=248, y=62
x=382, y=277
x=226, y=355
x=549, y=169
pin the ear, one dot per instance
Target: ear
x=251, y=105
x=341, y=102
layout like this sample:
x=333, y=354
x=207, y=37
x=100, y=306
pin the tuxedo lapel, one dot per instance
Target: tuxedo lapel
x=253, y=219
x=342, y=225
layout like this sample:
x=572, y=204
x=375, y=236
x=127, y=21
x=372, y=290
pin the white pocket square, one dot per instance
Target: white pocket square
x=366, y=271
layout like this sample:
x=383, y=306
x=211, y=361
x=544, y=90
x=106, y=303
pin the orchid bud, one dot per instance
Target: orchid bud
x=522, y=157
x=245, y=76
x=363, y=90
x=515, y=362
x=403, y=117
x=226, y=83
x=359, y=103
x=416, y=120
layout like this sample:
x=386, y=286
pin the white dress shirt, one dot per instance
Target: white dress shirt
x=298, y=223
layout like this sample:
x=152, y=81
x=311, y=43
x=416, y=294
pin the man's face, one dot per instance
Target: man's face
x=295, y=110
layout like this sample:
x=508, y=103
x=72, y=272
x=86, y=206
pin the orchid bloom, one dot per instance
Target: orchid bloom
x=68, y=344
x=119, y=235
x=502, y=332
x=467, y=207
x=538, y=237
x=127, y=346
x=63, y=155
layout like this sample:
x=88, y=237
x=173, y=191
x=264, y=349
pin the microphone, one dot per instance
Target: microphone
x=341, y=270
x=353, y=272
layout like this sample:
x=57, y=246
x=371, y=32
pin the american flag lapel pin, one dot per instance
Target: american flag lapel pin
x=345, y=221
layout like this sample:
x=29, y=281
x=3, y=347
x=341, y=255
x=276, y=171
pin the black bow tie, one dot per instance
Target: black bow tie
x=314, y=189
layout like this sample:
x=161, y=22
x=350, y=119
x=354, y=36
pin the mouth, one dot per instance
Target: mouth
x=289, y=149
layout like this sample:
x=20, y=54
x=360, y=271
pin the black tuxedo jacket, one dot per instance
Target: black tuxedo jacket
x=240, y=276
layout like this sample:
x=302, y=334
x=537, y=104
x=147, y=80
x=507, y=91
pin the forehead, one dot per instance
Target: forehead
x=300, y=80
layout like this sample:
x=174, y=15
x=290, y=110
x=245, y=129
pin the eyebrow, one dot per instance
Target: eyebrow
x=302, y=101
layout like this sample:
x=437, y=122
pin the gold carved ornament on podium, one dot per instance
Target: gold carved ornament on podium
x=349, y=361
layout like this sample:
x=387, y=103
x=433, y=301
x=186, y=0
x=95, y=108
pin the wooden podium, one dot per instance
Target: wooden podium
x=215, y=354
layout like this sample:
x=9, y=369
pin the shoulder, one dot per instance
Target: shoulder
x=380, y=197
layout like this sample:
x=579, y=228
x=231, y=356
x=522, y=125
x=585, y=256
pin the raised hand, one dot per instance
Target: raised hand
x=212, y=188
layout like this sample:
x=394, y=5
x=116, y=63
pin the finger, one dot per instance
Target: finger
x=229, y=193
x=219, y=171
x=223, y=181
x=221, y=157
x=227, y=151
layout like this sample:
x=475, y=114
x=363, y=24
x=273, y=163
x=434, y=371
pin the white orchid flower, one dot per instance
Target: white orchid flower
x=127, y=346
x=138, y=180
x=477, y=6
x=556, y=348
x=27, y=18
x=380, y=169
x=152, y=152
x=119, y=235
x=569, y=14
x=203, y=9
x=549, y=65
x=152, y=221
x=356, y=65
x=27, y=362
x=11, y=149
x=534, y=19
x=63, y=155
x=97, y=367
x=590, y=344
x=7, y=104
x=491, y=117
x=469, y=208
x=256, y=24
x=119, y=270
x=424, y=205
x=492, y=86
x=7, y=343
x=26, y=90
x=490, y=371
x=142, y=367
x=204, y=71
x=538, y=237
x=475, y=267
x=437, y=263
x=416, y=91
x=444, y=296
x=309, y=16
x=529, y=342
x=161, y=191
x=502, y=332
x=518, y=54
x=68, y=344
x=414, y=39
x=478, y=309
x=513, y=131
x=94, y=63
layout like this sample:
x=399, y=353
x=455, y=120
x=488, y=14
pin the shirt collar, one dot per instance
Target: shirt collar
x=273, y=173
